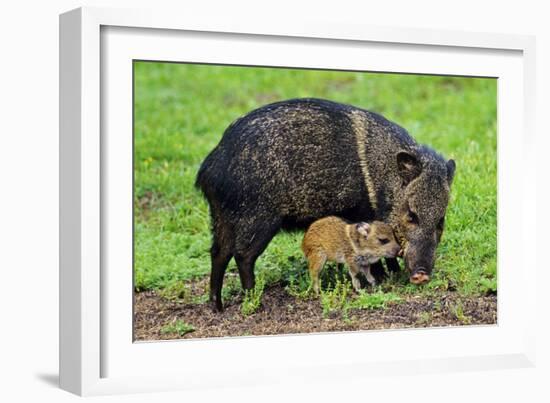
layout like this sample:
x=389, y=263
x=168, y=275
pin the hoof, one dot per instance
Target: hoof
x=217, y=305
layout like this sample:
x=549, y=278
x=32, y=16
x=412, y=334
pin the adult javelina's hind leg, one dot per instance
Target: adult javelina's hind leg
x=378, y=272
x=220, y=253
x=254, y=234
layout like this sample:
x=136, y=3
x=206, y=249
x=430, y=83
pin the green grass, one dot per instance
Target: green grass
x=340, y=298
x=375, y=300
x=182, y=110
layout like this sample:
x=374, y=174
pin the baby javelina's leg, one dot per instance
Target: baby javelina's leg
x=359, y=237
x=316, y=261
x=354, y=272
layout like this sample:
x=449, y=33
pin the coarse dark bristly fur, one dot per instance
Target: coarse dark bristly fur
x=290, y=163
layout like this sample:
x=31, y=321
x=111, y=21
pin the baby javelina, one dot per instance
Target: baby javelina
x=356, y=244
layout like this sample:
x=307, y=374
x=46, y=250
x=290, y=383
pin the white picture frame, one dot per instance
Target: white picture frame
x=96, y=354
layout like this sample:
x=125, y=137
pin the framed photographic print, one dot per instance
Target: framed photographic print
x=262, y=193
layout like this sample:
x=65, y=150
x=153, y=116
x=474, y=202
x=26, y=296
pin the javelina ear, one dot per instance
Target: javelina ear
x=363, y=228
x=408, y=166
x=451, y=167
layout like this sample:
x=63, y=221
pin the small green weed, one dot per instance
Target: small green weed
x=299, y=286
x=253, y=298
x=336, y=299
x=424, y=318
x=375, y=300
x=178, y=327
x=231, y=288
x=458, y=311
x=488, y=285
x=178, y=290
x=182, y=292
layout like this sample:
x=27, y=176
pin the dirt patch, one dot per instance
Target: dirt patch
x=282, y=313
x=148, y=202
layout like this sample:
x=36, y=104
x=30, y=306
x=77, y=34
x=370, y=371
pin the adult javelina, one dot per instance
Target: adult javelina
x=287, y=164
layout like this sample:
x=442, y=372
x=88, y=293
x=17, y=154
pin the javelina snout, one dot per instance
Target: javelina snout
x=419, y=277
x=419, y=260
x=419, y=257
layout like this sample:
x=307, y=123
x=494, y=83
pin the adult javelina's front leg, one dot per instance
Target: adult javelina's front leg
x=379, y=273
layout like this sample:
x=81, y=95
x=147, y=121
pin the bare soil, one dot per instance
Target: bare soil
x=282, y=313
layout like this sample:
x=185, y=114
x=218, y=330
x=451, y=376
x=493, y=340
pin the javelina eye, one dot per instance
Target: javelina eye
x=383, y=241
x=412, y=217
